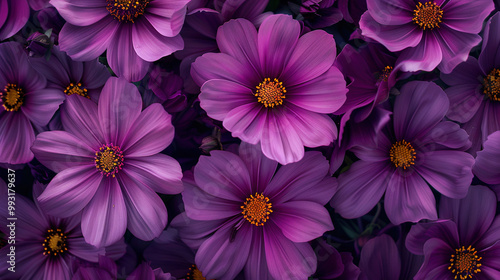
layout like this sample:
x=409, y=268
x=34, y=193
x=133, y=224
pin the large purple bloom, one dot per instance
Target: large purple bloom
x=474, y=90
x=24, y=102
x=430, y=34
x=13, y=16
x=246, y=216
x=272, y=87
x=109, y=165
x=487, y=166
x=134, y=33
x=466, y=245
x=416, y=149
x=45, y=246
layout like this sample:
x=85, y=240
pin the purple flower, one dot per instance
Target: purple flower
x=72, y=77
x=109, y=165
x=487, y=167
x=474, y=91
x=333, y=264
x=430, y=34
x=24, y=102
x=145, y=272
x=466, y=245
x=416, y=149
x=246, y=216
x=105, y=270
x=133, y=33
x=317, y=13
x=45, y=246
x=13, y=16
x=271, y=86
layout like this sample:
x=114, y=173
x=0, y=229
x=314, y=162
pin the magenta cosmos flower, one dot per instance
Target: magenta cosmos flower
x=134, y=33
x=24, y=101
x=474, y=90
x=13, y=16
x=466, y=245
x=109, y=166
x=272, y=87
x=430, y=34
x=254, y=219
x=414, y=150
x=45, y=246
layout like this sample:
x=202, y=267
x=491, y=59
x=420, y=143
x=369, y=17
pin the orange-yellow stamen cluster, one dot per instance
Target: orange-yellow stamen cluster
x=256, y=209
x=126, y=10
x=385, y=73
x=491, y=85
x=76, y=89
x=55, y=243
x=12, y=97
x=465, y=263
x=195, y=274
x=109, y=159
x=427, y=15
x=402, y=154
x=270, y=93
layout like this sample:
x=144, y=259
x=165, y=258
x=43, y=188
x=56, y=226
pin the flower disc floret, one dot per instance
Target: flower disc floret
x=12, y=97
x=109, y=159
x=402, y=154
x=256, y=209
x=54, y=243
x=270, y=93
x=491, y=85
x=76, y=89
x=126, y=10
x=465, y=263
x=427, y=15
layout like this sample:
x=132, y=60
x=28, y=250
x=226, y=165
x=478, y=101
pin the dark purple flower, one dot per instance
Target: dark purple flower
x=72, y=77
x=474, y=90
x=167, y=86
x=13, y=16
x=416, y=149
x=352, y=10
x=105, y=270
x=246, y=216
x=466, y=245
x=333, y=264
x=109, y=165
x=133, y=33
x=430, y=34
x=45, y=246
x=145, y=272
x=487, y=167
x=271, y=86
x=24, y=102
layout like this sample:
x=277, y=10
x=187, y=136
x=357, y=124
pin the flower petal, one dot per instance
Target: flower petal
x=247, y=122
x=151, y=45
x=16, y=138
x=380, y=258
x=260, y=168
x=455, y=46
x=41, y=105
x=426, y=55
x=70, y=191
x=489, y=58
x=486, y=165
x=420, y=233
x=256, y=266
x=81, y=13
x=466, y=16
x=166, y=17
x=390, y=12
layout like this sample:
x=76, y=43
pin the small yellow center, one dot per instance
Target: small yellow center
x=126, y=10
x=256, y=209
x=270, y=93
x=402, y=154
x=109, y=160
x=12, y=97
x=491, y=85
x=195, y=274
x=465, y=263
x=76, y=89
x=428, y=15
x=385, y=73
x=54, y=243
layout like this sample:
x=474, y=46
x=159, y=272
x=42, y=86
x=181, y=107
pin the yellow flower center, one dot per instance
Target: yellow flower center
x=12, y=97
x=109, y=160
x=126, y=10
x=465, y=263
x=256, y=209
x=402, y=154
x=428, y=15
x=76, y=89
x=385, y=73
x=270, y=93
x=491, y=85
x=195, y=274
x=54, y=243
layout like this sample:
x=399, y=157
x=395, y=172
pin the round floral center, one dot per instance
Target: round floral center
x=12, y=97
x=427, y=15
x=465, y=263
x=195, y=274
x=402, y=154
x=256, y=209
x=491, y=85
x=109, y=159
x=54, y=243
x=126, y=10
x=76, y=89
x=384, y=74
x=270, y=93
